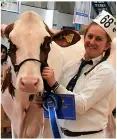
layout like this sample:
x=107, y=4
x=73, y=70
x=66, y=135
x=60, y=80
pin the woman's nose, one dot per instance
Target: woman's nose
x=2, y=54
x=92, y=41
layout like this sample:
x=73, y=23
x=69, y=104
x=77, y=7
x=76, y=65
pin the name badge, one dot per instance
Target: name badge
x=67, y=111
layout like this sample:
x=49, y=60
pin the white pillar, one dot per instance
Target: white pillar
x=49, y=14
x=56, y=20
x=50, y=5
x=49, y=18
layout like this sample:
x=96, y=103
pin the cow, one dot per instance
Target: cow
x=28, y=33
x=32, y=46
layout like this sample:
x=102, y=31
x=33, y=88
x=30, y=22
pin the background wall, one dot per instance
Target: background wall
x=62, y=19
x=55, y=14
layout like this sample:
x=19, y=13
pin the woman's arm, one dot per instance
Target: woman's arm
x=98, y=86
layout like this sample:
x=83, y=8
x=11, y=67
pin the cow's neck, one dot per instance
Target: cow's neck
x=33, y=122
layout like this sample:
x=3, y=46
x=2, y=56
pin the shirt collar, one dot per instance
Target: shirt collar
x=96, y=60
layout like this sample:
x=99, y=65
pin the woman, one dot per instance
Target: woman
x=91, y=87
x=4, y=62
x=3, y=54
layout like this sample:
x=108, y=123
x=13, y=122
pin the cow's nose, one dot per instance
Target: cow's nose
x=29, y=84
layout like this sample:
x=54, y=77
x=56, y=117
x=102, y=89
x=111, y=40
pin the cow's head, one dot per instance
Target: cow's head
x=30, y=40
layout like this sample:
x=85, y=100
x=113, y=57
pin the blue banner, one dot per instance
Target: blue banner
x=67, y=110
x=56, y=107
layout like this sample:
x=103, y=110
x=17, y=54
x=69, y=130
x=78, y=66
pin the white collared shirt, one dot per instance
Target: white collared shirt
x=92, y=93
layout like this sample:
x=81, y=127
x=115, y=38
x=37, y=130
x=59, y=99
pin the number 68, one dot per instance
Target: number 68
x=106, y=21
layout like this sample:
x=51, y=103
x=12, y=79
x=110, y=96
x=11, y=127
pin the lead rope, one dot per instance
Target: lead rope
x=52, y=104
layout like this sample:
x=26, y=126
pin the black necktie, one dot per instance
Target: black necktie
x=73, y=81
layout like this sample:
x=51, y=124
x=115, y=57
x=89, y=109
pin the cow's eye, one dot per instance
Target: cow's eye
x=9, y=40
x=12, y=49
x=61, y=37
x=12, y=46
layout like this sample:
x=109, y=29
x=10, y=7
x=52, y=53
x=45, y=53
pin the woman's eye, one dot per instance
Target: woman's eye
x=89, y=36
x=98, y=39
x=2, y=51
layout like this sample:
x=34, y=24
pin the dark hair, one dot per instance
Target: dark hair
x=107, y=52
x=5, y=48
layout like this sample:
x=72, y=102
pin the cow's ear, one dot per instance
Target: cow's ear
x=51, y=31
x=65, y=38
x=8, y=29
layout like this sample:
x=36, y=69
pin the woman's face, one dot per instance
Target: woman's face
x=95, y=42
x=3, y=53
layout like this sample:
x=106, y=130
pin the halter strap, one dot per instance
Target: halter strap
x=17, y=67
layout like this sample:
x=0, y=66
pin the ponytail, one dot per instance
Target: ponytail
x=107, y=54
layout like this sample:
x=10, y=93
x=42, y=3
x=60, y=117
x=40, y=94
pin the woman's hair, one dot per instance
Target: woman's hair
x=107, y=52
x=5, y=48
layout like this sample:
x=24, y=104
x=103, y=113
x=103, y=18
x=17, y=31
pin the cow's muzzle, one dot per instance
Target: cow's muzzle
x=29, y=84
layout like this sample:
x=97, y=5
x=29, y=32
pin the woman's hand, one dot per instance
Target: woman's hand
x=38, y=100
x=48, y=75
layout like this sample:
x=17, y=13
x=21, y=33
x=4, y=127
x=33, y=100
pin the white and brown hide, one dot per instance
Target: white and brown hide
x=30, y=38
